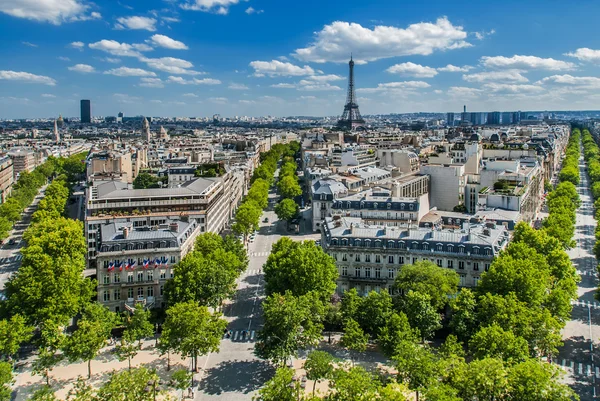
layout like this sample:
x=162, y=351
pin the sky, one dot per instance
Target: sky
x=182, y=58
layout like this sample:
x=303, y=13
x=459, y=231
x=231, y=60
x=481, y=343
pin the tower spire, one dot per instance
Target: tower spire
x=351, y=117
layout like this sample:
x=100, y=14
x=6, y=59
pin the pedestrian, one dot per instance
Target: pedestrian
x=190, y=392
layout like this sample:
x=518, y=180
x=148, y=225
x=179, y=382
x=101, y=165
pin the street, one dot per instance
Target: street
x=235, y=373
x=579, y=355
x=10, y=255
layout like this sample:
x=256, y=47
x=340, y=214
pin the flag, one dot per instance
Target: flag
x=132, y=265
x=146, y=262
x=127, y=265
x=111, y=266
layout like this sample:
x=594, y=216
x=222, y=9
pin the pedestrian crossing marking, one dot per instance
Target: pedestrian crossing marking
x=252, y=336
x=257, y=254
x=569, y=366
x=580, y=368
x=238, y=336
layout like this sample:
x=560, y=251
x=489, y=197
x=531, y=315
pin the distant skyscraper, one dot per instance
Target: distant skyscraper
x=516, y=117
x=86, y=111
x=477, y=118
x=56, y=134
x=450, y=119
x=120, y=117
x=493, y=118
x=507, y=117
x=351, y=118
x=146, y=135
x=464, y=116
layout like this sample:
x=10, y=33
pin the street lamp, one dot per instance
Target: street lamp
x=152, y=386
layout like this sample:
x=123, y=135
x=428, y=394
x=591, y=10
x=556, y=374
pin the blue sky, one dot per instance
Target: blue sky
x=281, y=58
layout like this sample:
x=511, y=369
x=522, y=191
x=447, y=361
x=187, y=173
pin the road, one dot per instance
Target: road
x=235, y=374
x=10, y=255
x=580, y=357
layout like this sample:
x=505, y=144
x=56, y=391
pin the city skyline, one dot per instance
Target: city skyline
x=201, y=57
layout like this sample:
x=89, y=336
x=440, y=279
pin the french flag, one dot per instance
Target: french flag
x=146, y=262
x=132, y=265
x=127, y=265
x=120, y=265
x=165, y=261
x=111, y=266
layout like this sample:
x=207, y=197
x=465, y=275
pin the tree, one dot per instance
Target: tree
x=128, y=385
x=288, y=187
x=246, y=218
x=493, y=342
x=533, y=380
x=375, y=311
x=259, y=193
x=81, y=391
x=485, y=379
x=6, y=380
x=354, y=384
x=286, y=209
x=428, y=278
x=300, y=267
x=416, y=365
x=138, y=325
x=421, y=314
x=354, y=338
x=44, y=394
x=290, y=323
x=13, y=333
x=145, y=180
x=463, y=321
x=51, y=341
x=396, y=330
x=441, y=392
x=280, y=388
x=127, y=348
x=180, y=380
x=318, y=366
x=233, y=245
x=192, y=330
x=93, y=331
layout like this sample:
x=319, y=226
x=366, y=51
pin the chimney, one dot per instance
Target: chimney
x=174, y=227
x=125, y=232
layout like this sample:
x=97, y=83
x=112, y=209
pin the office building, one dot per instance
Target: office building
x=86, y=111
x=450, y=119
x=493, y=118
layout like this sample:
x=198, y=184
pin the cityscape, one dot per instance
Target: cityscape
x=389, y=209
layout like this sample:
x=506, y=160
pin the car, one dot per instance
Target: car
x=318, y=242
x=12, y=241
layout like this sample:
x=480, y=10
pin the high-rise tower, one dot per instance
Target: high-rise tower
x=86, y=111
x=351, y=118
x=146, y=135
x=56, y=134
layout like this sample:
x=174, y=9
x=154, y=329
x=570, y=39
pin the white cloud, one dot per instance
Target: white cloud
x=156, y=101
x=585, y=54
x=170, y=19
x=252, y=10
x=505, y=76
x=511, y=88
x=463, y=92
x=412, y=70
x=571, y=81
x=110, y=60
x=26, y=77
x=29, y=44
x=305, y=85
x=54, y=11
x=336, y=41
x=171, y=65
x=235, y=86
x=82, y=68
x=283, y=85
x=396, y=86
x=130, y=72
x=483, y=34
x=136, y=22
x=194, y=81
x=278, y=68
x=210, y=6
x=218, y=100
x=526, y=63
x=453, y=68
x=246, y=101
x=151, y=83
x=48, y=95
x=325, y=78
x=77, y=45
x=63, y=58
x=126, y=99
x=120, y=49
x=167, y=42
x=306, y=97
x=189, y=95
x=313, y=83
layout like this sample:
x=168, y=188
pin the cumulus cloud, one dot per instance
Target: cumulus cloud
x=412, y=70
x=313, y=83
x=506, y=76
x=136, y=22
x=483, y=34
x=29, y=44
x=130, y=72
x=189, y=95
x=585, y=54
x=120, y=49
x=194, y=81
x=210, y=6
x=82, y=68
x=283, y=85
x=395, y=86
x=166, y=42
x=126, y=99
x=151, y=83
x=77, y=45
x=62, y=58
x=111, y=60
x=453, y=68
x=526, y=63
x=26, y=77
x=278, y=68
x=218, y=100
x=53, y=11
x=235, y=86
x=171, y=65
x=512, y=88
x=252, y=10
x=48, y=95
x=336, y=41
x=463, y=92
x=567, y=80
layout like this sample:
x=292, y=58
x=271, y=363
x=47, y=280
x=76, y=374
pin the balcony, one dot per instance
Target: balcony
x=138, y=283
x=99, y=204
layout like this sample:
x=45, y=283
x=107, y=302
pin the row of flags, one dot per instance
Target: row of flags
x=130, y=264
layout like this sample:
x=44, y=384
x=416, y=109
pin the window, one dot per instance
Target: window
x=368, y=258
x=140, y=291
x=162, y=289
x=414, y=260
x=400, y=260
x=107, y=279
x=401, y=245
x=163, y=274
x=411, y=207
x=357, y=272
x=439, y=247
x=344, y=258
x=150, y=275
x=130, y=277
x=377, y=258
x=173, y=259
x=475, y=281
x=439, y=262
x=425, y=246
x=389, y=205
x=476, y=266
x=462, y=280
x=450, y=248
x=367, y=272
x=117, y=278
x=117, y=295
x=106, y=296
x=487, y=251
x=344, y=270
x=486, y=267
x=390, y=273
x=357, y=258
x=130, y=293
x=475, y=251
x=378, y=272
x=140, y=276
x=461, y=249
x=450, y=264
x=461, y=265
x=150, y=291
x=171, y=273
x=391, y=259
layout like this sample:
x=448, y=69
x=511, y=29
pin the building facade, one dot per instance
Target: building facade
x=86, y=111
x=6, y=178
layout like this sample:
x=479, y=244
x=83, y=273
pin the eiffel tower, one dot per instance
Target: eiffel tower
x=351, y=118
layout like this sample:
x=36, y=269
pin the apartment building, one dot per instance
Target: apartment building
x=369, y=257
x=6, y=178
x=23, y=160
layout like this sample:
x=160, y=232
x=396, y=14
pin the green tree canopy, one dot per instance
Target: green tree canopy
x=427, y=278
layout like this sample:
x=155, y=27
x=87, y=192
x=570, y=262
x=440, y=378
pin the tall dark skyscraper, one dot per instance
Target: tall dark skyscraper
x=351, y=118
x=86, y=111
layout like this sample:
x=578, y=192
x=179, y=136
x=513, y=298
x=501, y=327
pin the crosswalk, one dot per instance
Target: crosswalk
x=240, y=336
x=589, y=273
x=585, y=304
x=12, y=259
x=253, y=272
x=256, y=254
x=579, y=369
